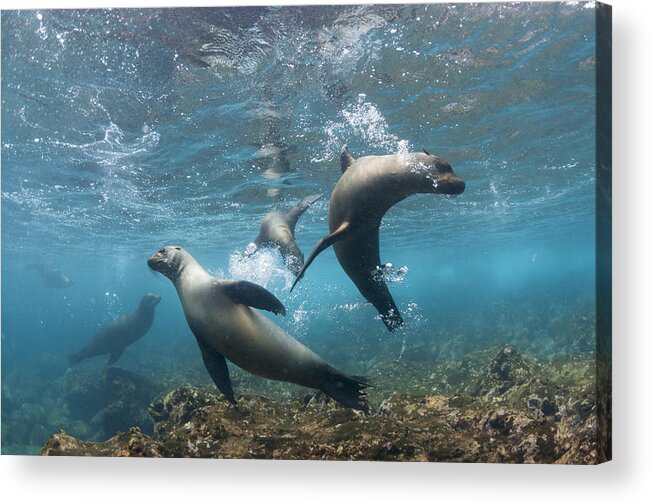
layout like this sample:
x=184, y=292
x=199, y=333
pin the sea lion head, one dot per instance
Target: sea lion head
x=438, y=174
x=149, y=301
x=169, y=261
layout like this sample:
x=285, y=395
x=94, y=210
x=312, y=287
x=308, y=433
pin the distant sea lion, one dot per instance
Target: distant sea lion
x=273, y=157
x=277, y=230
x=118, y=334
x=51, y=277
x=272, y=154
x=368, y=187
x=222, y=318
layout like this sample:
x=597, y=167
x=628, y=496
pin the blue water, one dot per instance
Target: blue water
x=127, y=130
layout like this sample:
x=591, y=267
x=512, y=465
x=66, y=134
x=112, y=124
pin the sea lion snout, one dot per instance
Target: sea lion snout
x=447, y=182
x=156, y=261
x=165, y=261
x=149, y=301
x=450, y=184
x=152, y=299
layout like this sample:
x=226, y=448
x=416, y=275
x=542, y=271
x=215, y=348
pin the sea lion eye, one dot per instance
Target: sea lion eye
x=162, y=251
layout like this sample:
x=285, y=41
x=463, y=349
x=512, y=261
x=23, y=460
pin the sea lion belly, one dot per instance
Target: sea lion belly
x=250, y=340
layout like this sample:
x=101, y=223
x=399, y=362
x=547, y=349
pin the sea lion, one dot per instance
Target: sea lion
x=222, y=316
x=273, y=158
x=118, y=334
x=51, y=277
x=367, y=188
x=271, y=154
x=277, y=230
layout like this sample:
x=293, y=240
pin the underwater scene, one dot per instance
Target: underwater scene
x=319, y=232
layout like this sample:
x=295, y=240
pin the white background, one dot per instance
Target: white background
x=626, y=479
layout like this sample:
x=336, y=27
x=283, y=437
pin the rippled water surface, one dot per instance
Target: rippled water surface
x=126, y=130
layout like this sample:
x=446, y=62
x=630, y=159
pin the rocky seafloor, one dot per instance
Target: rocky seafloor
x=494, y=405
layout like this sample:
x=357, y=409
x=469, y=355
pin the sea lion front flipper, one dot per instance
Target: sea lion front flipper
x=218, y=370
x=253, y=295
x=113, y=358
x=321, y=245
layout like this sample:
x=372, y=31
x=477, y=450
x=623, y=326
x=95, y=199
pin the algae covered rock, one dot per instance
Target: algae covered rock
x=130, y=444
x=178, y=407
x=492, y=406
x=507, y=369
x=109, y=401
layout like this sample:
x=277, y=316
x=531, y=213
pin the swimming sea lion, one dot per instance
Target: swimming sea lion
x=368, y=187
x=51, y=277
x=272, y=153
x=277, y=230
x=222, y=317
x=274, y=160
x=118, y=334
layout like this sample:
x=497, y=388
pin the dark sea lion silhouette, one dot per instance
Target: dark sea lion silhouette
x=272, y=153
x=273, y=158
x=118, y=334
x=222, y=317
x=51, y=277
x=366, y=190
x=277, y=230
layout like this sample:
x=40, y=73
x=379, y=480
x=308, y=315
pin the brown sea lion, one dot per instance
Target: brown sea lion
x=222, y=317
x=277, y=230
x=367, y=189
x=118, y=334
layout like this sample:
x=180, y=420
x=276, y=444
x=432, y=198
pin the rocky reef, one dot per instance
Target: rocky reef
x=495, y=405
x=109, y=401
x=90, y=404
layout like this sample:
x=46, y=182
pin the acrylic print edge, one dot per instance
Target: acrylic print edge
x=603, y=14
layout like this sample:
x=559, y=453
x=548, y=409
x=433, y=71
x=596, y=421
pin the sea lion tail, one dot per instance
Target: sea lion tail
x=347, y=390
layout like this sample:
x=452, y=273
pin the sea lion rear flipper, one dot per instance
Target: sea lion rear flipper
x=216, y=365
x=253, y=295
x=345, y=159
x=309, y=200
x=347, y=390
x=297, y=211
x=321, y=245
x=113, y=358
